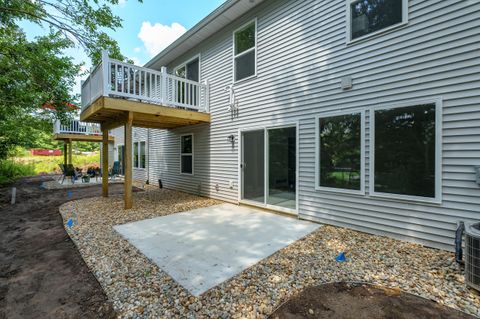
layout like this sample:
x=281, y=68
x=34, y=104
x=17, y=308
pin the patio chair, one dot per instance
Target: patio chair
x=115, y=170
x=70, y=172
x=62, y=168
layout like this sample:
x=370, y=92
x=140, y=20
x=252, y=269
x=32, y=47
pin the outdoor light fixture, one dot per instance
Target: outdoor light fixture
x=231, y=138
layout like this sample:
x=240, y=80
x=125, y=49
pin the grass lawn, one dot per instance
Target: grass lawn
x=49, y=164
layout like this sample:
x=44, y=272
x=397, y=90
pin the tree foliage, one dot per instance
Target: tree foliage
x=36, y=77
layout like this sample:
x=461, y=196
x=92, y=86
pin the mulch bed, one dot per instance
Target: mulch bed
x=361, y=301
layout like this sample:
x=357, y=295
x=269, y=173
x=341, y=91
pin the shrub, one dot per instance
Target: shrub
x=11, y=170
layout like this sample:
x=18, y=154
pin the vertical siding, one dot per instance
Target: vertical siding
x=302, y=55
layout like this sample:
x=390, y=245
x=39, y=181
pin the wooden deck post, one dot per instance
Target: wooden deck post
x=70, y=152
x=128, y=161
x=65, y=152
x=104, y=162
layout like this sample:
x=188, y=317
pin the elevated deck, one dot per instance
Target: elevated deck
x=78, y=131
x=112, y=112
x=115, y=91
x=121, y=94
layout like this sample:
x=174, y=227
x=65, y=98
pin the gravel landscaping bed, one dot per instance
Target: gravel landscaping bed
x=139, y=289
x=56, y=184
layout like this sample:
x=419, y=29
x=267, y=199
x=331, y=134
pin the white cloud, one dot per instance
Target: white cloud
x=135, y=60
x=157, y=37
x=137, y=49
x=122, y=3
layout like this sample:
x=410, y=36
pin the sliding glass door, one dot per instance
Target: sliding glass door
x=282, y=167
x=269, y=167
x=253, y=166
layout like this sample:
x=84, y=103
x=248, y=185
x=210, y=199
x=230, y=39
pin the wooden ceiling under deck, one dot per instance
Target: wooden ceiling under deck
x=80, y=137
x=114, y=112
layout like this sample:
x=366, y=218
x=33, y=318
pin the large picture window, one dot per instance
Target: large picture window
x=186, y=154
x=244, y=47
x=370, y=16
x=406, y=158
x=340, y=152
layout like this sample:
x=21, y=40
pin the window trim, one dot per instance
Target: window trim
x=438, y=153
x=133, y=154
x=234, y=56
x=375, y=33
x=184, y=64
x=138, y=155
x=192, y=154
x=361, y=191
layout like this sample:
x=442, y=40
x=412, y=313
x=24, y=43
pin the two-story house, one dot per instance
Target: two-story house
x=357, y=113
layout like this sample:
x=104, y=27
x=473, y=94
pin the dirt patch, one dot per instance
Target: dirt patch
x=361, y=301
x=42, y=275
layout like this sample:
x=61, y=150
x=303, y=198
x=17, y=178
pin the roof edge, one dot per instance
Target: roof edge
x=197, y=27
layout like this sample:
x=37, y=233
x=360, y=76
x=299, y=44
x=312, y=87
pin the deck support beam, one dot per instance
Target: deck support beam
x=128, y=161
x=104, y=162
x=70, y=152
x=65, y=150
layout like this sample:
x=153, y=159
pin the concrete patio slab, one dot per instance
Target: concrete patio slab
x=204, y=247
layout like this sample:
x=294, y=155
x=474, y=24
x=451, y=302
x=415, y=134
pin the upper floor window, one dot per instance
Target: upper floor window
x=371, y=16
x=189, y=70
x=244, y=51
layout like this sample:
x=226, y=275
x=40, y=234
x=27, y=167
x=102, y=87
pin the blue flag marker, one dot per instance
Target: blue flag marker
x=69, y=194
x=341, y=257
x=70, y=223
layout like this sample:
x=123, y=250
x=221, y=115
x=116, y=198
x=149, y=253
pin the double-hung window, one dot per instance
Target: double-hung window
x=190, y=70
x=143, y=156
x=135, y=154
x=366, y=17
x=244, y=51
x=139, y=155
x=186, y=154
x=340, y=152
x=405, y=151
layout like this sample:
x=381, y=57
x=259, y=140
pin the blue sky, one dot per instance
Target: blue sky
x=148, y=27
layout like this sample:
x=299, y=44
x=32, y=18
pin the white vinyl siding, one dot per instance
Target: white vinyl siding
x=301, y=58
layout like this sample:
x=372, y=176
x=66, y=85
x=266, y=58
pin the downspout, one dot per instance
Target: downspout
x=148, y=156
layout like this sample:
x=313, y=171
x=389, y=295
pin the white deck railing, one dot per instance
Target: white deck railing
x=76, y=127
x=114, y=78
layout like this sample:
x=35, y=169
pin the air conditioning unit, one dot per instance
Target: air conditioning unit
x=472, y=255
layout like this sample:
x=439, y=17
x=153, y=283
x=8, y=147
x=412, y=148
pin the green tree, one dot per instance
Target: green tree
x=36, y=77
